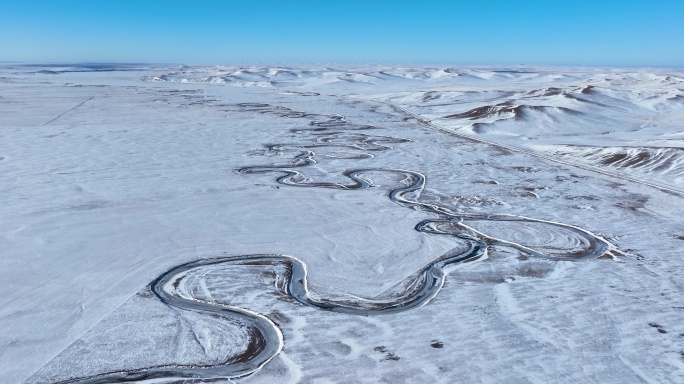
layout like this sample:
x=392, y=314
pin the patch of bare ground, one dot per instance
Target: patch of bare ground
x=534, y=270
x=633, y=202
x=279, y=317
x=388, y=355
x=256, y=344
x=436, y=344
x=658, y=327
x=526, y=169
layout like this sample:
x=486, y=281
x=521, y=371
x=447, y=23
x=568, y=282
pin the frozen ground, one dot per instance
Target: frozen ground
x=571, y=180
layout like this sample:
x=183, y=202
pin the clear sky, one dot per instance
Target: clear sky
x=560, y=32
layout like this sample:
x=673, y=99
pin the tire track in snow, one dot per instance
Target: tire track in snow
x=67, y=111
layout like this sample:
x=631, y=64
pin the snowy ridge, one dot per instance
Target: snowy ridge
x=660, y=162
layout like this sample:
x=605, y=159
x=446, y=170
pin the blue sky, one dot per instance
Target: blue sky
x=601, y=33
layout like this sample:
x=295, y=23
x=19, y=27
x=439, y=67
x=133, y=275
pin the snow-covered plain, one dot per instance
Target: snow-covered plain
x=113, y=175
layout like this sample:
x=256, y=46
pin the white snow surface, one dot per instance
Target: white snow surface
x=112, y=175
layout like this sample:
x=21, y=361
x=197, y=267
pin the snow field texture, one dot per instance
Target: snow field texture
x=110, y=179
